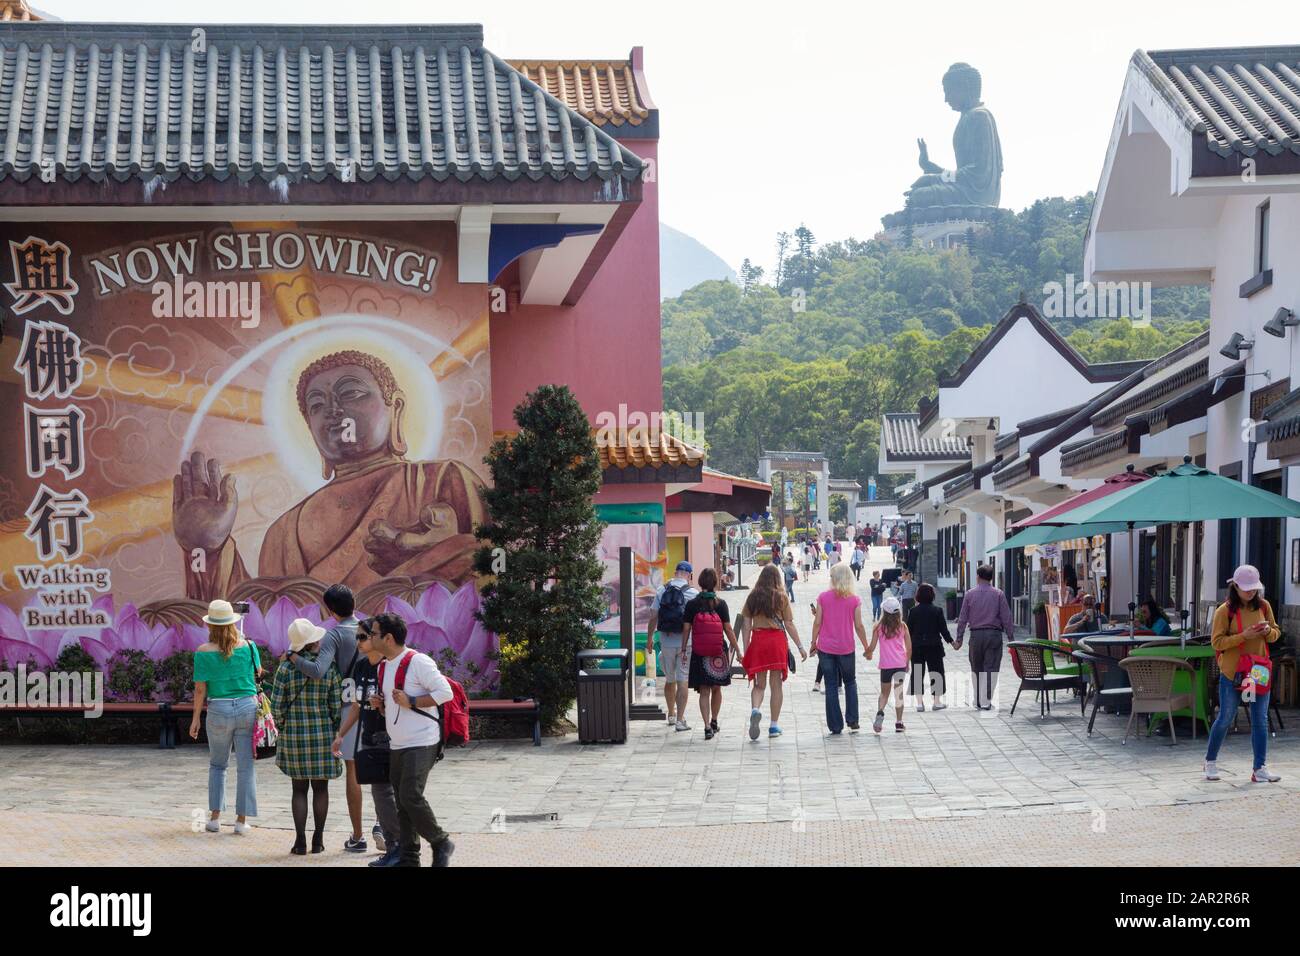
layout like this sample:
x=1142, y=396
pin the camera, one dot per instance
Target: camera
x=240, y=607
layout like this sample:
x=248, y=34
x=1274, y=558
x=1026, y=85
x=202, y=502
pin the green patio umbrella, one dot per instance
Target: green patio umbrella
x=1188, y=493
x=1050, y=534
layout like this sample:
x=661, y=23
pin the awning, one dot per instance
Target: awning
x=634, y=513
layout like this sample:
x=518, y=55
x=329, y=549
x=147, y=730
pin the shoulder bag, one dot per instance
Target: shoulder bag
x=1254, y=673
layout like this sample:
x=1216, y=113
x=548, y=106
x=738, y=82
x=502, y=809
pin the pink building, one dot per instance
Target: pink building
x=292, y=280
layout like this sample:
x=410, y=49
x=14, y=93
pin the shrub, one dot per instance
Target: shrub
x=542, y=599
x=176, y=674
x=132, y=676
x=74, y=658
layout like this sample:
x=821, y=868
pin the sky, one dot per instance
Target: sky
x=777, y=114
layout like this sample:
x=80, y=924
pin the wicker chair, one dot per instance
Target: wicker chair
x=1153, y=690
x=1027, y=659
x=1096, y=669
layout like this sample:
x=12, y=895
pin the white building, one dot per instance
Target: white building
x=1023, y=383
x=1201, y=184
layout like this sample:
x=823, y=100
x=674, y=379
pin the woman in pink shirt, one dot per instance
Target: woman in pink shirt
x=895, y=643
x=837, y=616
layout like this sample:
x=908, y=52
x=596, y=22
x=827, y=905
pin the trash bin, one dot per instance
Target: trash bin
x=602, y=696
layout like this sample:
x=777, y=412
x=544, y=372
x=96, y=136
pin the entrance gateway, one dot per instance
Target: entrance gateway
x=800, y=461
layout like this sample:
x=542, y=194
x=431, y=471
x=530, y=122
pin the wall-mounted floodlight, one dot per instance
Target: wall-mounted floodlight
x=1282, y=319
x=1236, y=345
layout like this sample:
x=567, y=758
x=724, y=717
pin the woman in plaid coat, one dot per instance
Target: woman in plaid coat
x=307, y=715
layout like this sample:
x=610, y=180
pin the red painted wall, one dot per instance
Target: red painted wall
x=605, y=348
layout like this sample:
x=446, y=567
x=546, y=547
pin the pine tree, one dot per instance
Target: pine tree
x=782, y=245
x=539, y=547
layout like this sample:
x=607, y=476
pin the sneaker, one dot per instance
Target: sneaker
x=986, y=706
x=242, y=828
x=1211, y=770
x=939, y=707
x=672, y=721
x=442, y=852
x=353, y=845
x=773, y=730
x=213, y=826
x=708, y=733
x=377, y=834
x=390, y=857
x=1262, y=775
x=755, y=716
x=878, y=722
x=898, y=727
x=855, y=727
x=681, y=725
x=920, y=707
x=817, y=688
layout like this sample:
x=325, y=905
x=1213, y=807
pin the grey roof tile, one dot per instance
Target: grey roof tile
x=112, y=102
x=902, y=441
x=1244, y=100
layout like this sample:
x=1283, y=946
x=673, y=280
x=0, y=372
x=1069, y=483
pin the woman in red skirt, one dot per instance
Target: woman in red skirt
x=765, y=620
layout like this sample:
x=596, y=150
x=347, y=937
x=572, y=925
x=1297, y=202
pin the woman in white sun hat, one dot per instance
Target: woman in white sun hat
x=307, y=712
x=1243, y=627
x=226, y=670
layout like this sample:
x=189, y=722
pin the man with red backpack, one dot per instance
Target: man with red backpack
x=411, y=693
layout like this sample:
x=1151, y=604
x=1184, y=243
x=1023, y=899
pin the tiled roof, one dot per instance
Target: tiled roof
x=115, y=102
x=1110, y=445
x=604, y=91
x=902, y=441
x=1181, y=381
x=667, y=451
x=1243, y=100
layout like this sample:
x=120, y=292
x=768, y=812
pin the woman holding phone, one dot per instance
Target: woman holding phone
x=1243, y=625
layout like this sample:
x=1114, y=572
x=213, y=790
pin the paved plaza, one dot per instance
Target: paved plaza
x=959, y=786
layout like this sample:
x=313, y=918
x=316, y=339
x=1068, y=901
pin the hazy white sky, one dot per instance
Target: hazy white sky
x=776, y=113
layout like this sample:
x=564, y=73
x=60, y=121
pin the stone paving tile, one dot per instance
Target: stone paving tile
x=956, y=763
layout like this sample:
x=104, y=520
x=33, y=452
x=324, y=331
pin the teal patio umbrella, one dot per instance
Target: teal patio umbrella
x=1186, y=494
x=1050, y=534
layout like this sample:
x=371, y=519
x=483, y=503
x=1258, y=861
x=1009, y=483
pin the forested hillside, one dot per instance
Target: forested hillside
x=810, y=354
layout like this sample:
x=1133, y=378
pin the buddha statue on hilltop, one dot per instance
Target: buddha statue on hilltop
x=977, y=178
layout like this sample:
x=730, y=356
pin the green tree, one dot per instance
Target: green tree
x=539, y=548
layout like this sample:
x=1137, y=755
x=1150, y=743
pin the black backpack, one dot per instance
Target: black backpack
x=672, y=609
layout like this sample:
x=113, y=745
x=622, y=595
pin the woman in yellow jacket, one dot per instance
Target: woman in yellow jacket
x=1244, y=624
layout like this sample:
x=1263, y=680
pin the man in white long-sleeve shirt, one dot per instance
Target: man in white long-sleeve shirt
x=410, y=689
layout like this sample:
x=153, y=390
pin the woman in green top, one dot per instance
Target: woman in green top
x=225, y=676
x=307, y=712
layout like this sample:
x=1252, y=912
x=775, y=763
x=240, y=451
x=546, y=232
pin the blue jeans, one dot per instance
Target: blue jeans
x=839, y=669
x=1229, y=698
x=231, y=722
x=875, y=605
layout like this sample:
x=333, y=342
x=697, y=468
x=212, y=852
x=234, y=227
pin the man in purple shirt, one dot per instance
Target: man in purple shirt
x=985, y=610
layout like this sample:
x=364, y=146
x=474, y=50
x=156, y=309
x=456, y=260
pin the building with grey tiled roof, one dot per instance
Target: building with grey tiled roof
x=119, y=102
x=901, y=441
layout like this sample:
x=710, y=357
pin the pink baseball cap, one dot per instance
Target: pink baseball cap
x=1246, y=578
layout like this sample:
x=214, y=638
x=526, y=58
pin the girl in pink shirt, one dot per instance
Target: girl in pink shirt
x=891, y=636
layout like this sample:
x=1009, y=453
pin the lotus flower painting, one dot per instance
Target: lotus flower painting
x=440, y=623
x=443, y=624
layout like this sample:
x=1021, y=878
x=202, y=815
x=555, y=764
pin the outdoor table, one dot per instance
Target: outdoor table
x=1117, y=645
x=1202, y=657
